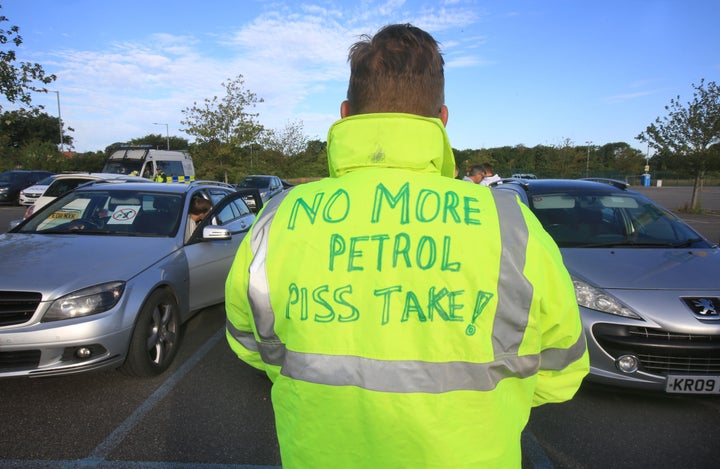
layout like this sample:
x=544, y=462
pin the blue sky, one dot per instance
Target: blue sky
x=517, y=72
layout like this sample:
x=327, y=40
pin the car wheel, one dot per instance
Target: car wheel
x=156, y=337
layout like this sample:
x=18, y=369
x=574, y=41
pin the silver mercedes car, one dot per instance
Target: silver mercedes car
x=648, y=285
x=105, y=276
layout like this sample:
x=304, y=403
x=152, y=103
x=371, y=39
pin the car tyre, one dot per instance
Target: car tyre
x=156, y=337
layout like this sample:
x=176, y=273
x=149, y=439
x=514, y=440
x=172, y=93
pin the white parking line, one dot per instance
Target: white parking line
x=532, y=451
x=118, y=435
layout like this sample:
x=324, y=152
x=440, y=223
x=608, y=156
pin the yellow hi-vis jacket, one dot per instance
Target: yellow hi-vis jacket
x=406, y=319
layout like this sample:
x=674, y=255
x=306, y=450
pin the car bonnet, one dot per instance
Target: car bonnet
x=646, y=268
x=59, y=264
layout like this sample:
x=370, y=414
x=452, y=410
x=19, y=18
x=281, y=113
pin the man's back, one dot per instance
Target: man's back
x=387, y=345
x=394, y=340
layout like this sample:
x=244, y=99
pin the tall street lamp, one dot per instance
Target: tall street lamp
x=59, y=121
x=587, y=160
x=167, y=133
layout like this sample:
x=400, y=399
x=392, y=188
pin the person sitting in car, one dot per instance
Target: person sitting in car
x=199, y=208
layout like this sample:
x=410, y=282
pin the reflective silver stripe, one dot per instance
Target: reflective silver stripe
x=406, y=375
x=559, y=358
x=271, y=348
x=514, y=298
x=514, y=290
x=245, y=338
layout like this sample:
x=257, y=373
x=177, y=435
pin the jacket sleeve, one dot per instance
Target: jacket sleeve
x=564, y=359
x=240, y=327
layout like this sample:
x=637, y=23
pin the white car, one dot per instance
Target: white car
x=29, y=195
x=66, y=182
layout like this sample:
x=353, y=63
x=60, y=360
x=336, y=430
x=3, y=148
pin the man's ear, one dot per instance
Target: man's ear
x=443, y=115
x=345, y=109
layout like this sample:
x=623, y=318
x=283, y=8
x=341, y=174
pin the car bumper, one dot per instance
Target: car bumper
x=660, y=351
x=28, y=200
x=6, y=198
x=58, y=348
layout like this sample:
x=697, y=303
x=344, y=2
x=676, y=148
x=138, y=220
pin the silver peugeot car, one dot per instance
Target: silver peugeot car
x=648, y=285
x=105, y=276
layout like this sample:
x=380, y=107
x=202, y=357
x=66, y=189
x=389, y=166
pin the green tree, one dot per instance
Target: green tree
x=225, y=124
x=23, y=126
x=18, y=79
x=289, y=141
x=688, y=132
x=160, y=142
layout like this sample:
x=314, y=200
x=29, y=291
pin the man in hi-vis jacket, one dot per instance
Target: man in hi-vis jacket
x=387, y=344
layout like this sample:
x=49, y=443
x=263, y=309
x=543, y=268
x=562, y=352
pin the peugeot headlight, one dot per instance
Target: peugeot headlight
x=85, y=302
x=4, y=189
x=594, y=298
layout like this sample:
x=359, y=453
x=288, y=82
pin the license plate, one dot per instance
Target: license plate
x=688, y=384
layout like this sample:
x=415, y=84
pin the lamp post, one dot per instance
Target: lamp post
x=167, y=133
x=587, y=160
x=60, y=121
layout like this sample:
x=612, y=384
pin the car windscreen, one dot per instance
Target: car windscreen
x=46, y=181
x=109, y=212
x=254, y=183
x=61, y=186
x=610, y=219
x=122, y=167
x=10, y=176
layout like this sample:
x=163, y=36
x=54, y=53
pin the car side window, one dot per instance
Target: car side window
x=232, y=211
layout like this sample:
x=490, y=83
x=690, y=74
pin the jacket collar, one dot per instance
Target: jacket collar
x=389, y=140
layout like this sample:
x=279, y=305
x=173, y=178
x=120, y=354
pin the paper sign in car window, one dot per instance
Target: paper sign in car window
x=62, y=215
x=124, y=215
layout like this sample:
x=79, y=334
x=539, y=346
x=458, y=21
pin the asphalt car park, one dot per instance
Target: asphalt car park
x=209, y=410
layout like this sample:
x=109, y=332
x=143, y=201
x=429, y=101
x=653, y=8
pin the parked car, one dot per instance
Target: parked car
x=647, y=283
x=29, y=195
x=12, y=182
x=523, y=176
x=268, y=186
x=63, y=183
x=101, y=276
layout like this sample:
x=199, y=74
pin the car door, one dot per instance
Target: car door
x=209, y=258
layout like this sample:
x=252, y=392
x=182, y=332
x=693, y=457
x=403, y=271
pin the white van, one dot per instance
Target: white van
x=158, y=165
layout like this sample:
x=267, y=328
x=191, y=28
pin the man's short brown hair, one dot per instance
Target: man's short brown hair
x=400, y=69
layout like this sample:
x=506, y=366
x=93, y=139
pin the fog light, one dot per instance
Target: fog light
x=627, y=363
x=83, y=352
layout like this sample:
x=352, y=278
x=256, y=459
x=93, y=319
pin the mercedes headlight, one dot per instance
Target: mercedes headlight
x=594, y=298
x=85, y=302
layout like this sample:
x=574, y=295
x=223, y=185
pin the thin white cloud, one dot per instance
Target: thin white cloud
x=286, y=55
x=619, y=98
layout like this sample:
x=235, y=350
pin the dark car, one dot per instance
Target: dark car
x=646, y=283
x=268, y=187
x=12, y=182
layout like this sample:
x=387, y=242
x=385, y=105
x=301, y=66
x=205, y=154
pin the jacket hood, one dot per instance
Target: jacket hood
x=389, y=140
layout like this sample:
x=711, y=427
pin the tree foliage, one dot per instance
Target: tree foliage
x=289, y=141
x=224, y=124
x=18, y=79
x=689, y=132
x=155, y=141
x=24, y=126
x=225, y=120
